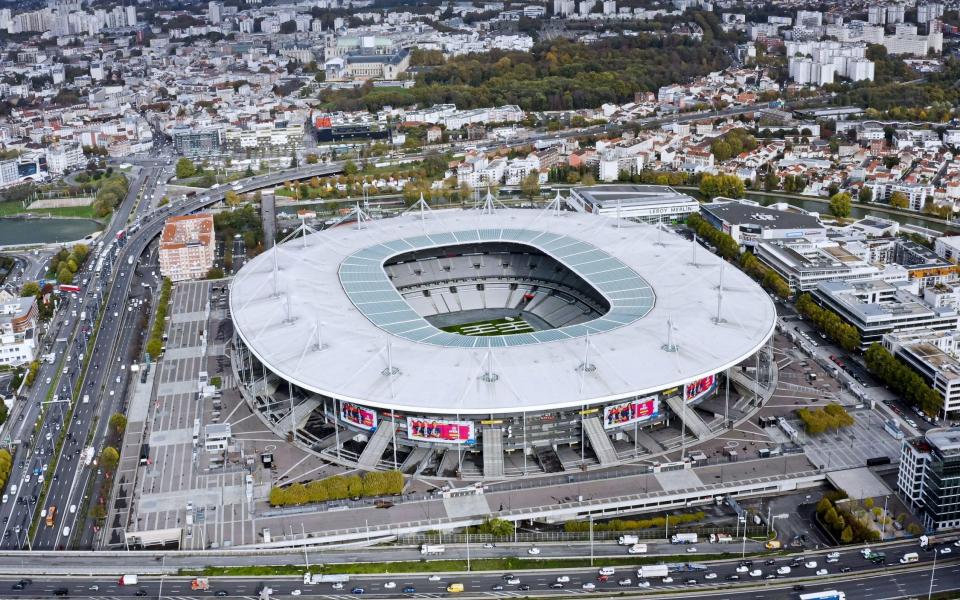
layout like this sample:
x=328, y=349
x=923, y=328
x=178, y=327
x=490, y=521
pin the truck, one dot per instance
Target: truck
x=720, y=538
x=83, y=315
x=51, y=515
x=909, y=557
x=924, y=541
x=628, y=540
x=130, y=260
x=648, y=571
x=88, y=456
x=128, y=580
x=432, y=549
x=773, y=545
x=824, y=595
x=684, y=538
x=315, y=578
x=200, y=583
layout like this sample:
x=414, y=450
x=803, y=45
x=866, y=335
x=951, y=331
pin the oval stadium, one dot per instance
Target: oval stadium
x=491, y=343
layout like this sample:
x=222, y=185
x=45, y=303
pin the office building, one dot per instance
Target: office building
x=929, y=477
x=187, y=247
x=924, y=352
x=878, y=307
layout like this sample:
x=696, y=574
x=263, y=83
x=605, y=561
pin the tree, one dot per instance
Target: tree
x=349, y=168
x=530, y=186
x=215, y=273
x=865, y=196
x=30, y=288
x=729, y=186
x=109, y=458
x=231, y=198
x=185, y=168
x=899, y=200
x=840, y=204
x=846, y=536
x=312, y=159
x=118, y=424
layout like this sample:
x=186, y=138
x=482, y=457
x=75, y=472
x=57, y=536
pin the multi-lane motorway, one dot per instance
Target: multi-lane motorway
x=716, y=579
x=104, y=382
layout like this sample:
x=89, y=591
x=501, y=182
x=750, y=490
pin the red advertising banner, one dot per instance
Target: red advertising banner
x=699, y=388
x=365, y=418
x=626, y=413
x=433, y=430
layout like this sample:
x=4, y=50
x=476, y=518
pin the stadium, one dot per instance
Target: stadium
x=492, y=343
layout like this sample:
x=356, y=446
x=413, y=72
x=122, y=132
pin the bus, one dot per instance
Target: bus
x=51, y=515
x=67, y=289
x=824, y=595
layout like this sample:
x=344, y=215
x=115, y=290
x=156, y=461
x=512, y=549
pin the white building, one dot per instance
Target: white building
x=63, y=158
x=18, y=324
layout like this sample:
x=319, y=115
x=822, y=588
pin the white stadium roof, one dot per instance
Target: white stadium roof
x=331, y=286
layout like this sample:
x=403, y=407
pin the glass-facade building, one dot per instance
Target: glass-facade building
x=929, y=477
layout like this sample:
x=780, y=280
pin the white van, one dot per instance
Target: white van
x=66, y=532
x=608, y=571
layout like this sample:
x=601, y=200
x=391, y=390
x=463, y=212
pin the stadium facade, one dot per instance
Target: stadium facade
x=491, y=343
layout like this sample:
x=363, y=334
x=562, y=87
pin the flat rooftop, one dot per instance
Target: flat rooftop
x=741, y=213
x=630, y=196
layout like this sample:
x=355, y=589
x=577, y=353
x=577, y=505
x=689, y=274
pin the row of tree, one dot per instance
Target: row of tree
x=829, y=323
x=726, y=246
x=902, y=379
x=659, y=522
x=728, y=186
x=831, y=417
x=110, y=192
x=843, y=524
x=6, y=465
x=338, y=487
x=732, y=143
x=155, y=344
x=768, y=278
x=64, y=265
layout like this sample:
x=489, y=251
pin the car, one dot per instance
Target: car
x=770, y=562
x=524, y=588
x=222, y=593
x=389, y=585
x=533, y=551
x=732, y=577
x=488, y=545
x=667, y=579
x=17, y=586
x=513, y=581
x=588, y=586
x=556, y=585
x=409, y=590
x=799, y=587
x=832, y=560
x=141, y=593
x=294, y=592
x=833, y=555
x=756, y=573
x=625, y=582
x=433, y=578
x=811, y=564
x=822, y=572
x=691, y=581
x=710, y=576
x=743, y=569
x=358, y=591
x=845, y=569
x=497, y=588
x=643, y=583
x=691, y=549
x=563, y=579
x=945, y=550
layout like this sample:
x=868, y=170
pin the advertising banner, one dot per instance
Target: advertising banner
x=699, y=388
x=434, y=430
x=365, y=418
x=626, y=413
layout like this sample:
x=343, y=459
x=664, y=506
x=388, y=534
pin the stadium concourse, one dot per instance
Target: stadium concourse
x=492, y=343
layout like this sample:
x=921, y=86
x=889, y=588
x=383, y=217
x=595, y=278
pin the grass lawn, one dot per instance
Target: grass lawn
x=505, y=326
x=8, y=209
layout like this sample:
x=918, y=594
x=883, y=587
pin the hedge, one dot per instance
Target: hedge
x=155, y=343
x=338, y=487
x=629, y=525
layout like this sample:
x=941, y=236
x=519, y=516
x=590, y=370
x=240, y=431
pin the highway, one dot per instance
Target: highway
x=107, y=376
x=714, y=579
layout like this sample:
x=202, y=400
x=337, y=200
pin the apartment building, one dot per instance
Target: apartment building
x=929, y=477
x=18, y=324
x=187, y=247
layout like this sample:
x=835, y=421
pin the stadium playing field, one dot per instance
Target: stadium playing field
x=505, y=326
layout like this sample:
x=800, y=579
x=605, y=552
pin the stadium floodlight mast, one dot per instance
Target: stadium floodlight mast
x=719, y=319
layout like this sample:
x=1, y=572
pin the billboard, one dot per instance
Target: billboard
x=434, y=430
x=699, y=388
x=364, y=418
x=626, y=413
